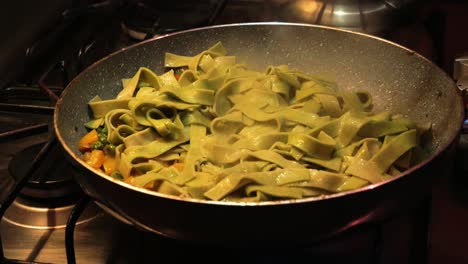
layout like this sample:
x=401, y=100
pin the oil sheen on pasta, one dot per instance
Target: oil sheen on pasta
x=210, y=128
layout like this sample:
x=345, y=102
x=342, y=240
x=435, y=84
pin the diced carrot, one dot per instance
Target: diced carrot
x=149, y=185
x=86, y=155
x=87, y=140
x=177, y=76
x=109, y=165
x=178, y=166
x=96, y=158
x=129, y=180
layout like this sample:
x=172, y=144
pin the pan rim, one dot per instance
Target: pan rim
x=327, y=197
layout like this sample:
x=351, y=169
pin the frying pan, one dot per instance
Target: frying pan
x=399, y=80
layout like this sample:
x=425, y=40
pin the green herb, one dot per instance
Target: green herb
x=102, y=135
x=109, y=150
x=103, y=139
x=117, y=175
x=97, y=145
x=102, y=129
x=179, y=70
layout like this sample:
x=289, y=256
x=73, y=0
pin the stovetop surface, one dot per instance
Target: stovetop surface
x=106, y=240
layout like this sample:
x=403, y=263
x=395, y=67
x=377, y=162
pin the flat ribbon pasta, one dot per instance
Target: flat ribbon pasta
x=210, y=128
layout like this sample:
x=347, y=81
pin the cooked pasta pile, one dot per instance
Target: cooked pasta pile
x=210, y=128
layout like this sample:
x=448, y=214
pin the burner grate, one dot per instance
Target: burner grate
x=20, y=185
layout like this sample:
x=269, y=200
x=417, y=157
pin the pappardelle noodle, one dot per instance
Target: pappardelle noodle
x=210, y=128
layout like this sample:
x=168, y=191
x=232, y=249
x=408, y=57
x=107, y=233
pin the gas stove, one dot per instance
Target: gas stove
x=47, y=218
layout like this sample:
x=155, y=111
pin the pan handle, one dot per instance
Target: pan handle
x=465, y=103
x=460, y=74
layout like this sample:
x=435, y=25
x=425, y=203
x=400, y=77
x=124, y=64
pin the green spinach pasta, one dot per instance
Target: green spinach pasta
x=210, y=128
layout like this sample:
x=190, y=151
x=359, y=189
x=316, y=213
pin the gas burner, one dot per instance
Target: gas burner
x=143, y=19
x=51, y=180
x=49, y=196
x=374, y=17
x=27, y=214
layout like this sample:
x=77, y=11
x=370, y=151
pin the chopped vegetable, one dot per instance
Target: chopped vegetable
x=109, y=150
x=102, y=135
x=117, y=175
x=86, y=156
x=102, y=129
x=179, y=70
x=109, y=165
x=87, y=140
x=179, y=166
x=97, y=145
x=96, y=158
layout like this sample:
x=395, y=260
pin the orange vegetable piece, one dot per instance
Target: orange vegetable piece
x=87, y=140
x=109, y=165
x=129, y=180
x=96, y=158
x=178, y=166
x=149, y=185
x=86, y=155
